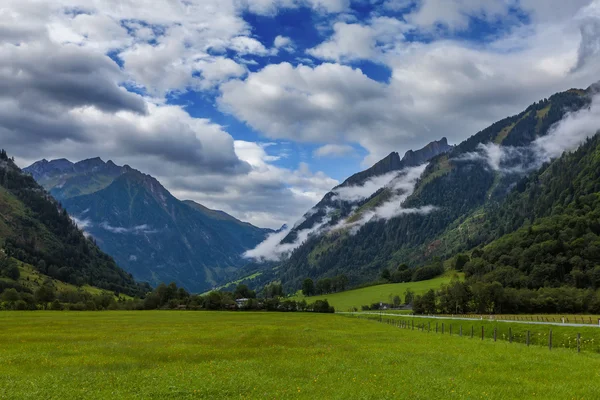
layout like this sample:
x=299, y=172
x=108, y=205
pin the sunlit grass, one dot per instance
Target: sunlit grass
x=345, y=301
x=181, y=355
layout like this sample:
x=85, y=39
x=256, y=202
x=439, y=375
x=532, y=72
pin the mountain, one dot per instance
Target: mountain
x=64, y=179
x=451, y=199
x=334, y=207
x=150, y=233
x=547, y=231
x=36, y=230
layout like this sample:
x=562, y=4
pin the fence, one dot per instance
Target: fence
x=533, y=336
x=568, y=319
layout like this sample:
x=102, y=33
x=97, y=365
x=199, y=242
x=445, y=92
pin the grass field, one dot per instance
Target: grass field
x=189, y=355
x=344, y=301
x=562, y=336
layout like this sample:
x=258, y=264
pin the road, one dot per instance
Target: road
x=474, y=319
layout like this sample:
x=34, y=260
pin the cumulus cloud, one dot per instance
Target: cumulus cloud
x=333, y=150
x=284, y=43
x=446, y=86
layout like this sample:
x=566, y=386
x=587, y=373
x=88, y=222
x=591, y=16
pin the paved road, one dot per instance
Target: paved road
x=474, y=319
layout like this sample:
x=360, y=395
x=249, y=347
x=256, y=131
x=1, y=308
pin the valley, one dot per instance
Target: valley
x=198, y=355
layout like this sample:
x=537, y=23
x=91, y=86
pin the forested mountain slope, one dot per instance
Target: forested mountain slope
x=150, y=233
x=158, y=238
x=36, y=230
x=556, y=215
x=455, y=191
x=353, y=193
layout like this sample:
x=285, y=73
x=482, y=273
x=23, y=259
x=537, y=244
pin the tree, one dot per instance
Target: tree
x=308, y=287
x=45, y=294
x=397, y=301
x=11, y=295
x=385, y=274
x=409, y=296
x=12, y=272
x=273, y=290
x=461, y=260
x=243, y=292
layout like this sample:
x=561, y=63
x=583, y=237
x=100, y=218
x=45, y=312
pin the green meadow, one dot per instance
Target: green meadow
x=243, y=355
x=539, y=334
x=345, y=301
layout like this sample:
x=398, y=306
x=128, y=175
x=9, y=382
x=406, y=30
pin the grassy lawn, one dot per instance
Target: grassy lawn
x=344, y=301
x=188, y=355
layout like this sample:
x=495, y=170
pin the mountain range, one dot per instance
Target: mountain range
x=149, y=232
x=443, y=200
x=36, y=230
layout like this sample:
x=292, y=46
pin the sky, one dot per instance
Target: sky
x=259, y=107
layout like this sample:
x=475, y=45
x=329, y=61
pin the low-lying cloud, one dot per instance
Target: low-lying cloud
x=566, y=135
x=401, y=183
x=366, y=190
x=273, y=248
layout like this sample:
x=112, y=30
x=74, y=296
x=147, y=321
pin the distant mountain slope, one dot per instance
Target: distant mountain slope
x=476, y=174
x=36, y=230
x=336, y=207
x=64, y=179
x=149, y=232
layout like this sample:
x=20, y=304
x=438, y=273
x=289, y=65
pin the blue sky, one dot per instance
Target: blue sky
x=259, y=107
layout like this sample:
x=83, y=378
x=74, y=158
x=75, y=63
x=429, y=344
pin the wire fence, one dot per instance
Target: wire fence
x=587, y=340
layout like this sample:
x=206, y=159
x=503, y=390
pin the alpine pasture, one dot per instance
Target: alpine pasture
x=220, y=355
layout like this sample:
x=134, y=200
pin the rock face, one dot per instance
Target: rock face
x=393, y=162
x=149, y=232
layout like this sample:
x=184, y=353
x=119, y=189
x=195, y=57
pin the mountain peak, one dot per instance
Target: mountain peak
x=418, y=157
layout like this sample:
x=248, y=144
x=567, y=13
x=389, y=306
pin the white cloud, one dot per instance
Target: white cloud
x=273, y=248
x=356, y=41
x=367, y=189
x=244, y=45
x=566, y=135
x=348, y=42
x=402, y=186
x=441, y=88
x=285, y=43
x=334, y=150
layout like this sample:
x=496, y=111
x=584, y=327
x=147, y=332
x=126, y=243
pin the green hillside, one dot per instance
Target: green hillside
x=150, y=233
x=459, y=190
x=345, y=301
x=36, y=230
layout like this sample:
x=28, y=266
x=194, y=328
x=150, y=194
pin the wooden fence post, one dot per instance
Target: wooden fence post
x=429, y=328
x=509, y=335
x=436, y=327
x=550, y=340
x=460, y=333
x=482, y=333
x=413, y=324
x=579, y=343
x=450, y=329
x=528, y=333
x=495, y=332
x=472, y=331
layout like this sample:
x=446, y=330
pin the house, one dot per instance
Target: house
x=241, y=303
